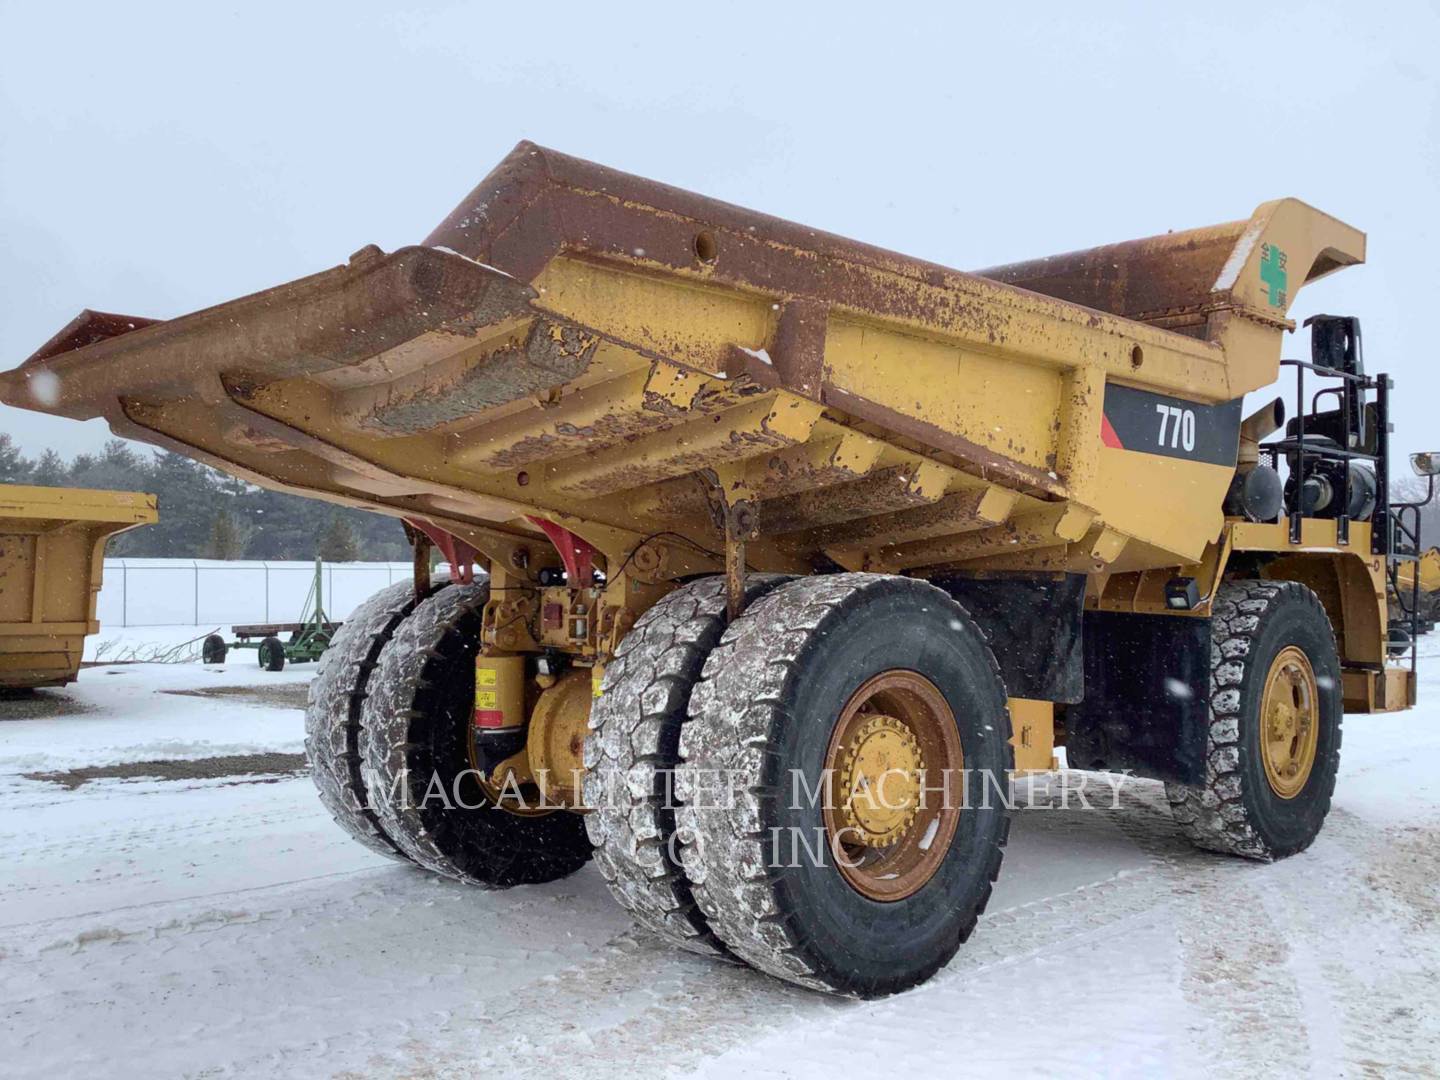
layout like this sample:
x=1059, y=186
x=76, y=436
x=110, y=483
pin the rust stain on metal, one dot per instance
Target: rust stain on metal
x=881, y=492
x=971, y=456
x=539, y=202
x=551, y=356
x=1153, y=278
x=735, y=445
x=957, y=512
x=88, y=328
x=656, y=413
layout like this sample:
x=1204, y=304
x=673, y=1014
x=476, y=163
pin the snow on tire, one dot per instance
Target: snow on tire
x=633, y=747
x=415, y=728
x=774, y=696
x=1255, y=625
x=332, y=714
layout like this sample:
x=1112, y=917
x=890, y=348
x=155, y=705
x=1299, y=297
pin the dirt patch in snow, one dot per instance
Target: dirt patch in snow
x=257, y=768
x=282, y=695
x=38, y=705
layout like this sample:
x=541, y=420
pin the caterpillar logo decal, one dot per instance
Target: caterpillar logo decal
x=1170, y=426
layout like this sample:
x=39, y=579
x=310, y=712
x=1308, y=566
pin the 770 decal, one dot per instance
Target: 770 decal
x=1170, y=426
x=1182, y=430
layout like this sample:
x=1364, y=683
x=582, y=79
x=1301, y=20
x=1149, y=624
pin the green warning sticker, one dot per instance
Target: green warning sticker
x=1273, y=275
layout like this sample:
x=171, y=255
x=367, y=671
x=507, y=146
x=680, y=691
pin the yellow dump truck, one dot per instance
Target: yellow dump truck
x=794, y=550
x=52, y=551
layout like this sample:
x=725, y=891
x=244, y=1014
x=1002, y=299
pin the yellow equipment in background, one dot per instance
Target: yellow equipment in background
x=1428, y=566
x=1411, y=609
x=52, y=550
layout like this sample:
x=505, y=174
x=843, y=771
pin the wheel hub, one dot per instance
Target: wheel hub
x=890, y=813
x=1289, y=722
x=878, y=781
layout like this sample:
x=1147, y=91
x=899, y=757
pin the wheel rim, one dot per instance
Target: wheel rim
x=1289, y=722
x=890, y=814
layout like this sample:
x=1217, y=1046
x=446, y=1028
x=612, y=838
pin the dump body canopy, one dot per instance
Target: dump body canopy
x=617, y=356
x=52, y=550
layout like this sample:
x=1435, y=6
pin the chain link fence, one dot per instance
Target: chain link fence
x=204, y=592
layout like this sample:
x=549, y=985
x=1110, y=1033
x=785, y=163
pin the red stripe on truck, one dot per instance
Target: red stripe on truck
x=1107, y=434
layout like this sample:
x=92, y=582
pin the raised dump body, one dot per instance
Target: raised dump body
x=839, y=531
x=584, y=346
x=52, y=551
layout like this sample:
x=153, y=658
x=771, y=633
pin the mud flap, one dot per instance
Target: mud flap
x=1147, y=692
x=1032, y=625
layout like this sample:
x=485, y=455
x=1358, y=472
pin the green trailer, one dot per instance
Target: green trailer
x=278, y=643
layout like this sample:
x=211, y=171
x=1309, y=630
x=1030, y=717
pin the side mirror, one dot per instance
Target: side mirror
x=1427, y=464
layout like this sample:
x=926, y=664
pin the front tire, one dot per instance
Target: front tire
x=845, y=670
x=1273, y=746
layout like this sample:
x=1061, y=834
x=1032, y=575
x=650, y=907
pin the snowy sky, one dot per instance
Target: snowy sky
x=155, y=159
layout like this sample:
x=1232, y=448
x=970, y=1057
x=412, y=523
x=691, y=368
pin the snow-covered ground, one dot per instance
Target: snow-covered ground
x=218, y=923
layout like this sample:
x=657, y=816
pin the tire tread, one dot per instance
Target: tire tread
x=734, y=709
x=1214, y=815
x=631, y=751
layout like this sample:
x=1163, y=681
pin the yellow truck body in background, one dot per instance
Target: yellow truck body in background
x=52, y=550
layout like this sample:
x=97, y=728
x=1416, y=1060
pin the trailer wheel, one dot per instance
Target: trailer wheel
x=415, y=730
x=633, y=748
x=332, y=715
x=854, y=885
x=271, y=654
x=1275, y=712
x=213, y=650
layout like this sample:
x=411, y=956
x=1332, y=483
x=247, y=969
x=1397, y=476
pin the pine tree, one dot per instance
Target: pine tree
x=50, y=471
x=226, y=538
x=188, y=502
x=337, y=543
x=117, y=468
x=14, y=468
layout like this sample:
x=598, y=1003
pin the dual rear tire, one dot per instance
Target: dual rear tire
x=632, y=750
x=785, y=848
x=414, y=736
x=387, y=736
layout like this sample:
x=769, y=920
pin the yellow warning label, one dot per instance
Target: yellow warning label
x=486, y=676
x=486, y=699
